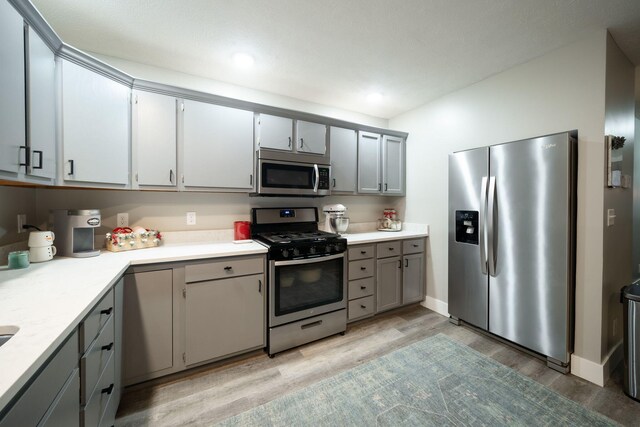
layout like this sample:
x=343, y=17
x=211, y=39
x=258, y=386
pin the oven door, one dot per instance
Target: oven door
x=281, y=177
x=302, y=288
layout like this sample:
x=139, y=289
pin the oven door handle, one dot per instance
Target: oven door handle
x=308, y=260
x=317, y=180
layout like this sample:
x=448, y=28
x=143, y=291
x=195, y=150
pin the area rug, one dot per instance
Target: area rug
x=436, y=381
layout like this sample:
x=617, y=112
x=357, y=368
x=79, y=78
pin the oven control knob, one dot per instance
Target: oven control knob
x=327, y=248
x=296, y=252
x=285, y=253
x=312, y=250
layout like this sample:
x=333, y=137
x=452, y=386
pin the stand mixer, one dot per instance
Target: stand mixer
x=335, y=219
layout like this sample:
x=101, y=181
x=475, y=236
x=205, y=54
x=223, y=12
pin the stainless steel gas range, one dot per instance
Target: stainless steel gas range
x=307, y=276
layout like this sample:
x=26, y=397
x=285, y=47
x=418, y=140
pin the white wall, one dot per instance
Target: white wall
x=617, y=253
x=560, y=91
x=188, y=81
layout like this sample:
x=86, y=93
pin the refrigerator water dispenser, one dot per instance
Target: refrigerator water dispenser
x=467, y=227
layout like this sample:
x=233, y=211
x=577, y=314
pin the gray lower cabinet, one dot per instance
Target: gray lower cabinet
x=389, y=283
x=385, y=275
x=224, y=317
x=100, y=348
x=148, y=324
x=47, y=397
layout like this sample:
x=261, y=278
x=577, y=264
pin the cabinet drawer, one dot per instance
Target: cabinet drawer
x=99, y=401
x=413, y=246
x=360, y=288
x=360, y=307
x=222, y=269
x=388, y=249
x=34, y=402
x=360, y=269
x=360, y=252
x=95, y=321
x=95, y=360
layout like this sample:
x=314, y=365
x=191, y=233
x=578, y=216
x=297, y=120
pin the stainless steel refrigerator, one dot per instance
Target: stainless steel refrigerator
x=512, y=242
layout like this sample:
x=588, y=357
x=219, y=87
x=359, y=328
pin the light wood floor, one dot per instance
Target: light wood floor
x=213, y=393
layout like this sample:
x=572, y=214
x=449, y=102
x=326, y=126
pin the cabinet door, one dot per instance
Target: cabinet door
x=274, y=132
x=154, y=139
x=12, y=101
x=389, y=282
x=413, y=278
x=223, y=317
x=392, y=165
x=218, y=146
x=147, y=324
x=95, y=124
x=42, y=107
x=369, y=179
x=344, y=159
x=311, y=137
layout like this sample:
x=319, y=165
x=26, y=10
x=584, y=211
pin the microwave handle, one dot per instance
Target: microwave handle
x=317, y=181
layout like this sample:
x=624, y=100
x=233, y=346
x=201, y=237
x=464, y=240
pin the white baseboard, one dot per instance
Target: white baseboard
x=436, y=305
x=597, y=373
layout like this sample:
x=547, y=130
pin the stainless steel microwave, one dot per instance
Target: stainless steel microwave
x=288, y=178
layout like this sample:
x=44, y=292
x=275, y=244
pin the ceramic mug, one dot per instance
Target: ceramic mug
x=38, y=239
x=19, y=259
x=41, y=254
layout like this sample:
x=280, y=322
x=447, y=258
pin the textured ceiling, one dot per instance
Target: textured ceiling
x=335, y=52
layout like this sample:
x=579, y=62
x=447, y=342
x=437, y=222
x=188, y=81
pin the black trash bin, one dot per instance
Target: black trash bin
x=631, y=300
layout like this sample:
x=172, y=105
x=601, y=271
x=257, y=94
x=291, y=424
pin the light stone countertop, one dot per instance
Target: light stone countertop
x=48, y=300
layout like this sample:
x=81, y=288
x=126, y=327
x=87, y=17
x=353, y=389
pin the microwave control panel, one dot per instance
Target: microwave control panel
x=323, y=183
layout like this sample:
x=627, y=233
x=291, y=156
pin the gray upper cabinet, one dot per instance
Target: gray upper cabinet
x=381, y=161
x=12, y=85
x=42, y=107
x=154, y=139
x=369, y=176
x=311, y=137
x=274, y=132
x=344, y=159
x=95, y=127
x=218, y=146
x=392, y=165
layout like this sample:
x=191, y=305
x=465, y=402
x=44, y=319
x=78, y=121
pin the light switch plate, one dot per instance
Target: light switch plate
x=611, y=217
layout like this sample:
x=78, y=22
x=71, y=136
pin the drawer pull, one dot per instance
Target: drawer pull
x=415, y=246
x=363, y=268
x=311, y=325
x=362, y=306
x=391, y=249
x=107, y=311
x=107, y=347
x=363, y=287
x=363, y=252
x=107, y=390
x=228, y=268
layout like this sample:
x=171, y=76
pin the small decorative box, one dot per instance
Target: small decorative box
x=126, y=239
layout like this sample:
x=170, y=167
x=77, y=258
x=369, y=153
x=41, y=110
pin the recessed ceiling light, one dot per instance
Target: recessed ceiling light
x=243, y=60
x=374, y=97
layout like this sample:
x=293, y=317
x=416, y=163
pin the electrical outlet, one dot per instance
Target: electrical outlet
x=191, y=218
x=22, y=220
x=122, y=220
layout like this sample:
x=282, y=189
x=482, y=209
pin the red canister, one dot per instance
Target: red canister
x=241, y=230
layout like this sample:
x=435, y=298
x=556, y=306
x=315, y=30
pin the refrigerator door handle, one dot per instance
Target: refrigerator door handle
x=490, y=226
x=481, y=225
